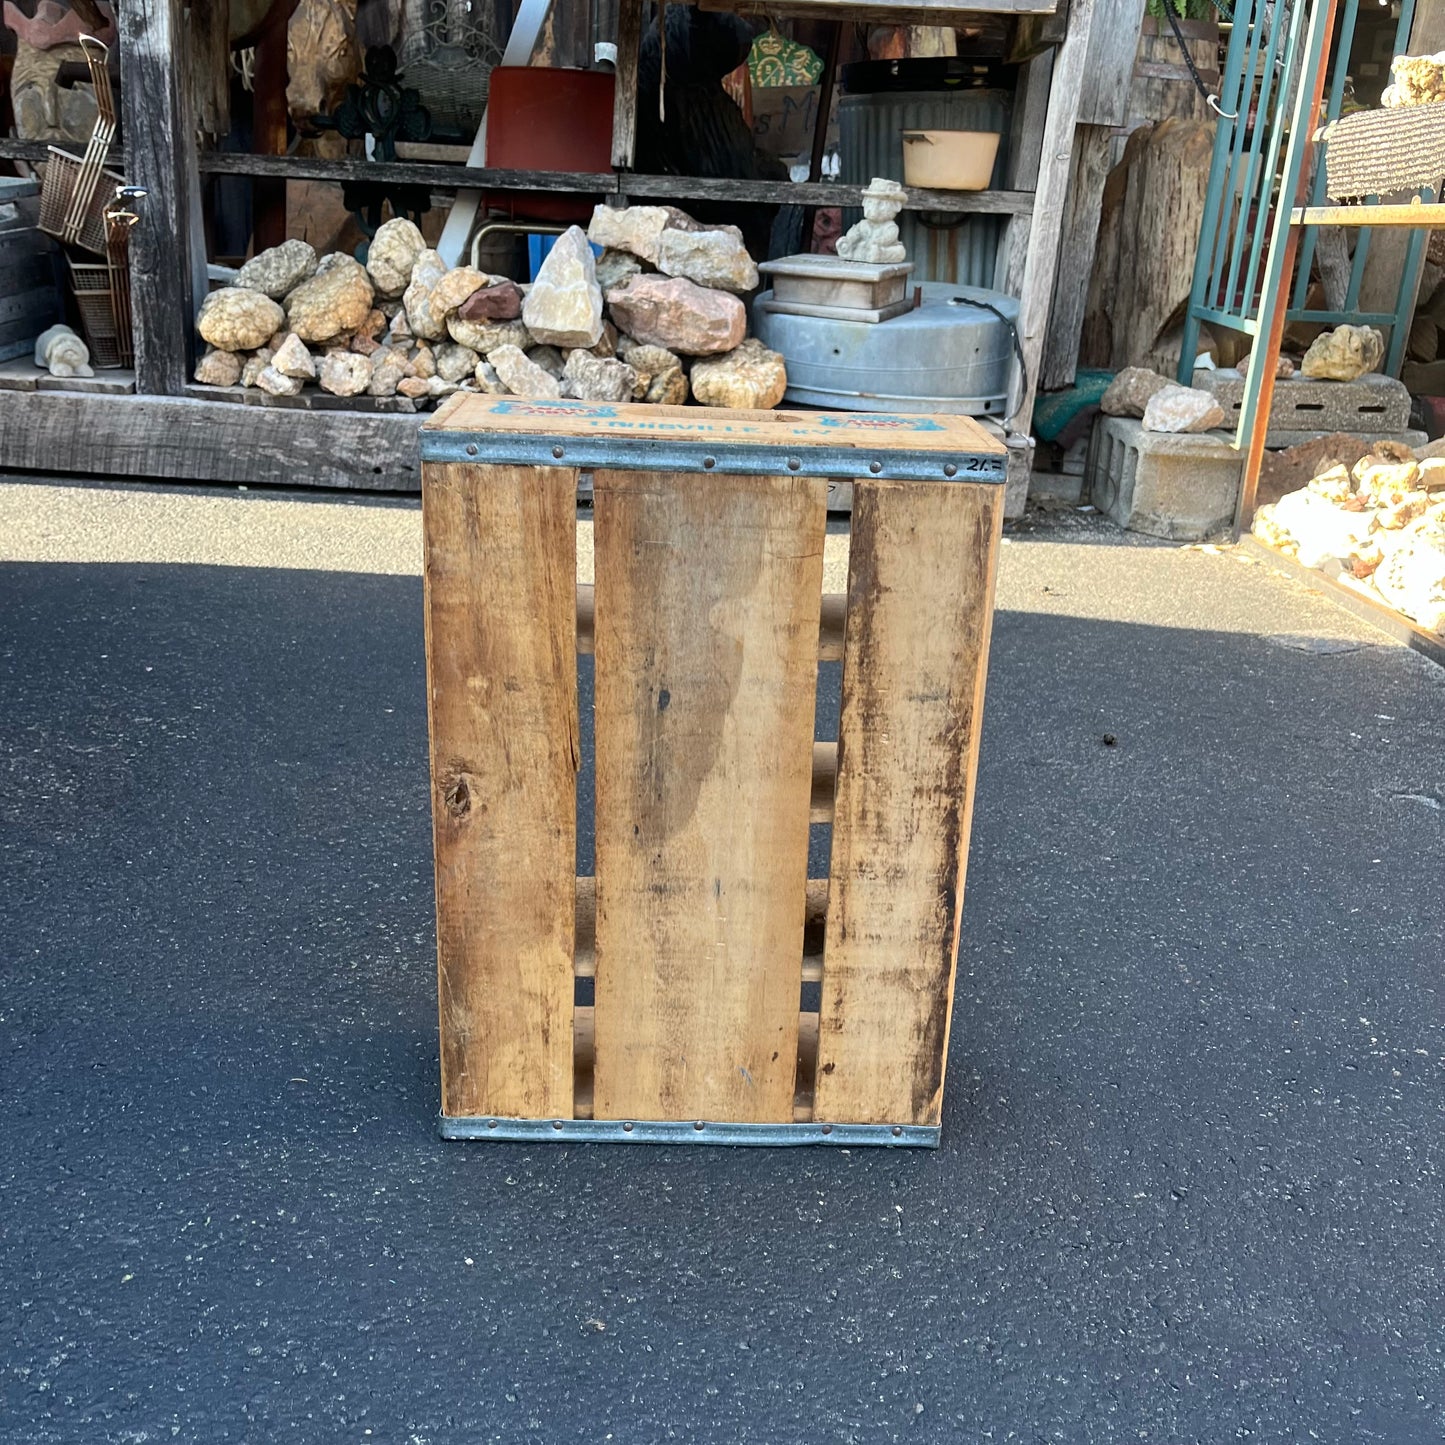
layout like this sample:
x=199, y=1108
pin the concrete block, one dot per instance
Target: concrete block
x=1181, y=486
x=1375, y=403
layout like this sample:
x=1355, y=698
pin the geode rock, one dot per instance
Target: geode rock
x=277, y=383
x=1344, y=354
x=291, y=358
x=428, y=271
x=564, y=305
x=279, y=270
x=218, y=368
x=453, y=361
x=389, y=368
x=344, y=373
x=749, y=378
x=685, y=318
x=454, y=288
x=484, y=337
x=597, y=378
x=660, y=377
x=393, y=255
x=501, y=301
x=336, y=300
x=234, y=319
x=1175, y=408
x=1129, y=392
x=523, y=377
x=715, y=258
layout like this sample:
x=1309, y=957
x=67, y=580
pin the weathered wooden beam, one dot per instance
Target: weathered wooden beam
x=624, y=101
x=167, y=246
x=791, y=193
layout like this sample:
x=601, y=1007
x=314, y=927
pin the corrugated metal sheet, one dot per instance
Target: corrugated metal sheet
x=954, y=248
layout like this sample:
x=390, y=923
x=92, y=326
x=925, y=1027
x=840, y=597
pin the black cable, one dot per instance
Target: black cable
x=1013, y=334
x=1212, y=101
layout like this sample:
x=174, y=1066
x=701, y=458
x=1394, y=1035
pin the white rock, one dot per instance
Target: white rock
x=1175, y=408
x=392, y=256
x=278, y=384
x=291, y=358
x=428, y=271
x=233, y=319
x=564, y=306
x=523, y=377
x=453, y=362
x=715, y=258
x=219, y=368
x=345, y=373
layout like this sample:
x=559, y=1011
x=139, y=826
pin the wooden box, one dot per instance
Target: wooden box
x=701, y=929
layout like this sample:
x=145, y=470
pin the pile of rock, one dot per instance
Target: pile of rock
x=1383, y=520
x=1162, y=405
x=658, y=317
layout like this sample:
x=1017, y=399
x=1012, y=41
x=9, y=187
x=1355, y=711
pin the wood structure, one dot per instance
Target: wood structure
x=160, y=99
x=707, y=622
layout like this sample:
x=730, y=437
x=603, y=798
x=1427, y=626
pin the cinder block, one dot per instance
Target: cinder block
x=1177, y=485
x=1374, y=403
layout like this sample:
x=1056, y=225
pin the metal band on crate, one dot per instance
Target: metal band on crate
x=668, y=1131
x=633, y=453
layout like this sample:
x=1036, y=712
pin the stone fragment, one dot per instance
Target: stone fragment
x=1343, y=354
x=616, y=268
x=393, y=255
x=1175, y=408
x=364, y=345
x=1334, y=484
x=454, y=288
x=636, y=229
x=255, y=365
x=414, y=386
x=596, y=378
x=291, y=358
x=234, y=319
x=751, y=378
x=711, y=258
x=1386, y=482
x=277, y=383
x=375, y=323
x=1432, y=474
x=488, y=381
x=423, y=362
x=660, y=377
x=428, y=271
x=1129, y=392
x=676, y=313
x=336, y=300
x=388, y=369
x=400, y=328
x=1319, y=529
x=1399, y=512
x=500, y=301
x=219, y=368
x=344, y=373
x=607, y=342
x=279, y=270
x=1411, y=577
x=521, y=376
x=564, y=306
x=484, y=337
x=549, y=359
x=454, y=362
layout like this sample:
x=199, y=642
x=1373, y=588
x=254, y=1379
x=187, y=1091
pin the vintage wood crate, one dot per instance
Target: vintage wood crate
x=701, y=930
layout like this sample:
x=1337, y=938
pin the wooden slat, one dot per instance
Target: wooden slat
x=1407, y=213
x=584, y=1056
x=500, y=571
x=707, y=622
x=830, y=622
x=584, y=953
x=624, y=96
x=920, y=588
x=828, y=193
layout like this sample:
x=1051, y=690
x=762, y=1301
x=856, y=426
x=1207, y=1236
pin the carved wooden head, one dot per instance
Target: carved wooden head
x=322, y=56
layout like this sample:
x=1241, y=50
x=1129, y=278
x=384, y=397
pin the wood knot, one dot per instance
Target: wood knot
x=457, y=796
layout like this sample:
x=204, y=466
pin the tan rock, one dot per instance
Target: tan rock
x=549, y=359
x=488, y=381
x=521, y=376
x=414, y=386
x=233, y=319
x=423, y=362
x=424, y=323
x=750, y=378
x=596, y=378
x=388, y=370
x=255, y=365
x=1432, y=474
x=484, y=337
x=376, y=322
x=336, y=300
x=276, y=383
x=454, y=288
x=660, y=377
x=714, y=258
x=1129, y=392
x=291, y=358
x=219, y=368
x=393, y=254
x=636, y=230
x=1344, y=354
x=279, y=270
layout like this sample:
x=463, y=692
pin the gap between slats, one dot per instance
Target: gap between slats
x=830, y=622
x=584, y=1043
x=814, y=925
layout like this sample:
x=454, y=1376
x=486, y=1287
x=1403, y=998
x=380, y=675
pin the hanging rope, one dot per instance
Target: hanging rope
x=1171, y=13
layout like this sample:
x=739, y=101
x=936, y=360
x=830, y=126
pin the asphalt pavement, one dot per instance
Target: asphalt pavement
x=1190, y=1186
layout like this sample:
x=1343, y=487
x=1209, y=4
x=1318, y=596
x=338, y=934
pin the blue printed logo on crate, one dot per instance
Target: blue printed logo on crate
x=880, y=423
x=552, y=408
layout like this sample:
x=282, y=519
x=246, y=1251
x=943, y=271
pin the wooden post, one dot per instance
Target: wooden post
x=624, y=103
x=1050, y=194
x=167, y=247
x=268, y=137
x=1026, y=139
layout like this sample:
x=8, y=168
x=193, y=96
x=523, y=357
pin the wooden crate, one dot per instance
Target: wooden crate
x=707, y=621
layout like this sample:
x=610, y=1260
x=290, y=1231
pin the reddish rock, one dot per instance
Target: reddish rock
x=502, y=302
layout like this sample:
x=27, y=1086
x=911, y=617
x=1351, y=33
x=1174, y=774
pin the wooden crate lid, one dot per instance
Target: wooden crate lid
x=512, y=431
